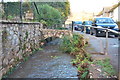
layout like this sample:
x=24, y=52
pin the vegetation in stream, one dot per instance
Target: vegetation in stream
x=75, y=45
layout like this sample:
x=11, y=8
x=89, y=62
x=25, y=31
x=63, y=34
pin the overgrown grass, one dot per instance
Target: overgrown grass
x=72, y=44
x=82, y=63
x=75, y=45
x=106, y=66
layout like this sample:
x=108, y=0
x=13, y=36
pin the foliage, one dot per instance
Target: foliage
x=82, y=63
x=106, y=66
x=75, y=44
x=1, y=11
x=71, y=44
x=49, y=15
x=84, y=74
x=10, y=17
x=63, y=7
x=13, y=9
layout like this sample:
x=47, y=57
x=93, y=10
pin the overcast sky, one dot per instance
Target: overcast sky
x=82, y=5
x=90, y=5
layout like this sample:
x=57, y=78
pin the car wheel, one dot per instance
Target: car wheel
x=91, y=33
x=116, y=35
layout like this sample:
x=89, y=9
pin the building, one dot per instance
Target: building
x=113, y=12
x=29, y=15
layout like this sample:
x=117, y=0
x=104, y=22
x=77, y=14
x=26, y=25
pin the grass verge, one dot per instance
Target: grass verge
x=75, y=45
x=106, y=67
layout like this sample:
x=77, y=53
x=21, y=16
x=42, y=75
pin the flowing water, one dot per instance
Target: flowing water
x=48, y=63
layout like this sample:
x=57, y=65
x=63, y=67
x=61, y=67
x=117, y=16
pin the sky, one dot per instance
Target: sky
x=79, y=7
x=83, y=5
x=90, y=5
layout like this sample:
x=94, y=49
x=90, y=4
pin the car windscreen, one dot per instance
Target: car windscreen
x=104, y=20
x=77, y=22
x=88, y=23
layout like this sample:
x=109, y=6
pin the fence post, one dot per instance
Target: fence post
x=90, y=30
x=84, y=29
x=72, y=26
x=106, y=48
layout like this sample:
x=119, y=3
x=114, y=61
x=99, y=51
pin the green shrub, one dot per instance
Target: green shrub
x=75, y=45
x=72, y=44
x=106, y=66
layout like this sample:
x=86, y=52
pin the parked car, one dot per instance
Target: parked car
x=104, y=22
x=77, y=25
x=87, y=23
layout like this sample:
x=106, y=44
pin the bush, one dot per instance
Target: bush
x=72, y=44
x=48, y=15
x=75, y=45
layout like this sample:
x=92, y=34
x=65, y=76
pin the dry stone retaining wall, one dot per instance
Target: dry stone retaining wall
x=18, y=40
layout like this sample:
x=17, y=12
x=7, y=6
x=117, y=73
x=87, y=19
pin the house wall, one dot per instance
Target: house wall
x=116, y=14
x=119, y=14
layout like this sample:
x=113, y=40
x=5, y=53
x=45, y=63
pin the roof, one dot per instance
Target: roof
x=105, y=9
x=101, y=17
x=100, y=13
x=114, y=7
x=109, y=9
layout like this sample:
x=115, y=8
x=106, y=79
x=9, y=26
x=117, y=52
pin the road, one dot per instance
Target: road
x=99, y=45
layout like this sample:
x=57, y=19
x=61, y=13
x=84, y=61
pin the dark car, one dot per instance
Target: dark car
x=77, y=25
x=87, y=23
x=104, y=22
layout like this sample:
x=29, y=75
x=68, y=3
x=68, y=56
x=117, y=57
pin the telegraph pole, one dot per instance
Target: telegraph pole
x=2, y=6
x=21, y=10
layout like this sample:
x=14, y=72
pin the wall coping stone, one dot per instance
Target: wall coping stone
x=17, y=22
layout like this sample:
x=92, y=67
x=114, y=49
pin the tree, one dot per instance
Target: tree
x=48, y=15
x=12, y=9
x=63, y=7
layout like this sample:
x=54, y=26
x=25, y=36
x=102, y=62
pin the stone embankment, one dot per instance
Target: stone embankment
x=19, y=39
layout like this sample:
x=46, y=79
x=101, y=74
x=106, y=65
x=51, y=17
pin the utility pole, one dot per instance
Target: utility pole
x=2, y=6
x=36, y=9
x=21, y=10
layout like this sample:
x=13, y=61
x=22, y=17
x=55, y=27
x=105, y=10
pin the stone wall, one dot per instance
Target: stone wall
x=18, y=40
x=1, y=55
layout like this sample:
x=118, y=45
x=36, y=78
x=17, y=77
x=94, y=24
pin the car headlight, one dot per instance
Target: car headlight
x=88, y=27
